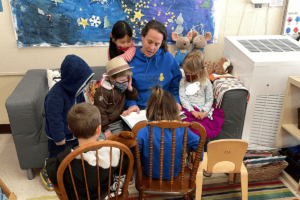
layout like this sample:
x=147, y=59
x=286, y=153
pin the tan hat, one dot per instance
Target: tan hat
x=116, y=65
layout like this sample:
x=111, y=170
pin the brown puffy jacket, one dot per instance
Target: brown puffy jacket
x=111, y=112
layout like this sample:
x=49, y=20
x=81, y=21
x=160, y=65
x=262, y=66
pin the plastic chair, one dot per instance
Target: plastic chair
x=60, y=188
x=184, y=184
x=224, y=156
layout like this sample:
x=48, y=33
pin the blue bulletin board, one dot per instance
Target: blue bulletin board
x=1, y=8
x=89, y=22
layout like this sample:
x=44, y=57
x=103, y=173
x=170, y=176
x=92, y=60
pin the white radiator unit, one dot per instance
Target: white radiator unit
x=263, y=64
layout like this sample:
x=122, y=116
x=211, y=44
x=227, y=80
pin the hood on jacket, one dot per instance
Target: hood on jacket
x=75, y=74
x=142, y=56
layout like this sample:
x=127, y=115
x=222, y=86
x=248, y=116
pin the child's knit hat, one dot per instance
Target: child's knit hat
x=116, y=65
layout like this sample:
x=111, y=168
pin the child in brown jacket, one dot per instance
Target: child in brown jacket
x=110, y=96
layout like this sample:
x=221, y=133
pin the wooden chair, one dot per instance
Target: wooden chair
x=60, y=188
x=224, y=156
x=184, y=184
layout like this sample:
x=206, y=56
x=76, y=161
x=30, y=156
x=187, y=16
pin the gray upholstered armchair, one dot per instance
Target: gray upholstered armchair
x=25, y=108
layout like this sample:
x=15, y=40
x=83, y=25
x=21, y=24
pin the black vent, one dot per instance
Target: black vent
x=272, y=45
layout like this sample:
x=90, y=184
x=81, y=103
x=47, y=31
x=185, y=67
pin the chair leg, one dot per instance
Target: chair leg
x=144, y=196
x=186, y=197
x=30, y=174
x=244, y=184
x=140, y=196
x=199, y=182
x=230, y=181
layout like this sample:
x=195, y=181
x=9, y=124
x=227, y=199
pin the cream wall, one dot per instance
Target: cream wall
x=239, y=17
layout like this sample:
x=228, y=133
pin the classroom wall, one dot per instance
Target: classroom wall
x=239, y=17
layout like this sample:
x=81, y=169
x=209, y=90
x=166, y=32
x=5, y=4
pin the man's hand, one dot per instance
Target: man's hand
x=179, y=106
x=61, y=143
x=129, y=87
x=108, y=134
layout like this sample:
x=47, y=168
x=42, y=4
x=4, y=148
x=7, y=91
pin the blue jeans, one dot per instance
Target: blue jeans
x=55, y=150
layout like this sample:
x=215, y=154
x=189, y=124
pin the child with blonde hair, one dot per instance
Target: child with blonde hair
x=162, y=105
x=196, y=96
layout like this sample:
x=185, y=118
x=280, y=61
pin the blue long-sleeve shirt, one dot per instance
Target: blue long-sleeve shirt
x=144, y=143
x=161, y=69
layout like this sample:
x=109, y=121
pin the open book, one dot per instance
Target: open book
x=134, y=118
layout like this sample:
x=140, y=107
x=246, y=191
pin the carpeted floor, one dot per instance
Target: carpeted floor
x=271, y=190
x=256, y=191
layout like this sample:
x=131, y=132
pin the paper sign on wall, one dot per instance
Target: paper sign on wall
x=292, y=19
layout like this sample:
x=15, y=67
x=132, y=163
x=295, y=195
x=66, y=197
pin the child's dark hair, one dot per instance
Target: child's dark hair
x=162, y=106
x=119, y=30
x=83, y=120
x=159, y=27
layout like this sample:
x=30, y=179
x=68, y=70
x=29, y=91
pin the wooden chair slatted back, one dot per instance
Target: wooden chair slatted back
x=171, y=125
x=232, y=150
x=95, y=145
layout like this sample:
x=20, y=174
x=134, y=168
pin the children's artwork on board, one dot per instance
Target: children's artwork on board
x=292, y=19
x=65, y=23
x=1, y=8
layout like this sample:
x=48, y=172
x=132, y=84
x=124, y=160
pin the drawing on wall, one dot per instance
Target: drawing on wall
x=1, y=8
x=291, y=22
x=66, y=23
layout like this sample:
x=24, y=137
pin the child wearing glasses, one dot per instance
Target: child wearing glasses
x=115, y=87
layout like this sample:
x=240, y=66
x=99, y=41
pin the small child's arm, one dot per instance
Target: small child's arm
x=99, y=102
x=131, y=92
x=183, y=98
x=208, y=90
x=54, y=109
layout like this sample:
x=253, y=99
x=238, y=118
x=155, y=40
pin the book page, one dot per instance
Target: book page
x=134, y=118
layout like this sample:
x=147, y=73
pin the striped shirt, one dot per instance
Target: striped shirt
x=128, y=55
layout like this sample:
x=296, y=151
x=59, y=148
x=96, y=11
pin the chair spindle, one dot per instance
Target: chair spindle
x=161, y=167
x=117, y=192
x=98, y=174
x=86, y=185
x=74, y=186
x=109, y=182
x=172, y=158
x=138, y=163
x=183, y=156
x=150, y=155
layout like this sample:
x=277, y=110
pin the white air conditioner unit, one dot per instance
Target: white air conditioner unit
x=263, y=64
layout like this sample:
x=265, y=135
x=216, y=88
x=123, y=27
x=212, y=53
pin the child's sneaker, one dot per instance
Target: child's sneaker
x=46, y=179
x=131, y=181
x=207, y=174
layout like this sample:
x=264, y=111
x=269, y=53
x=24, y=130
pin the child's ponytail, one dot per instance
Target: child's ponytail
x=162, y=106
x=113, y=51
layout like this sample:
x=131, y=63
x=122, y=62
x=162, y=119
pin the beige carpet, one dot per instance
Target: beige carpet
x=16, y=179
